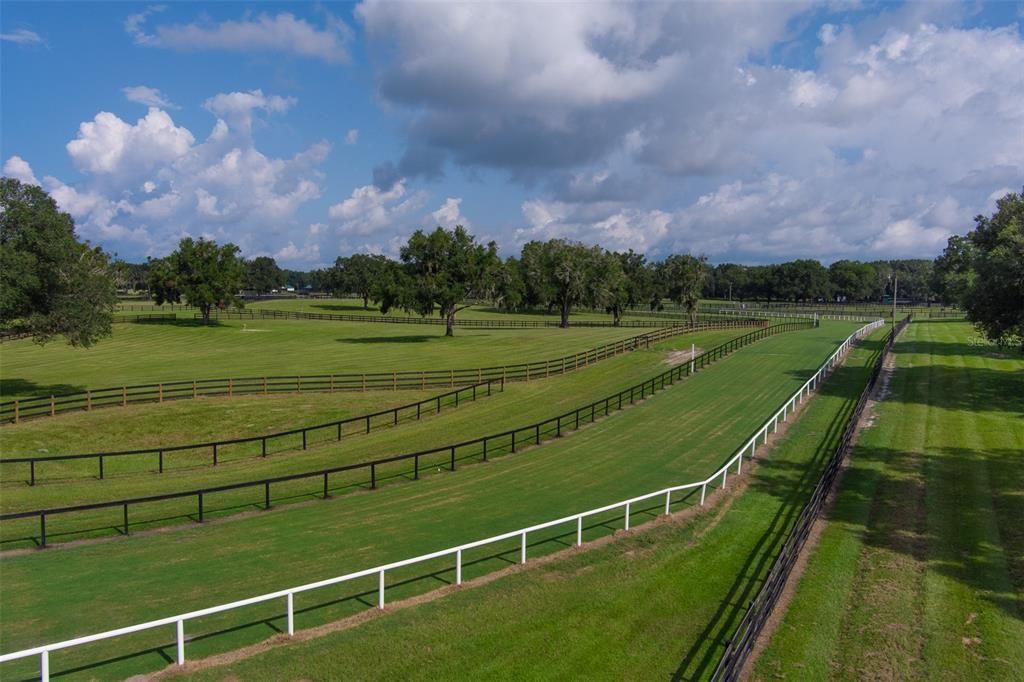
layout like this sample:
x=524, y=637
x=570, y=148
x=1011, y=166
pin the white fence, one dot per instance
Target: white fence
x=288, y=595
x=809, y=316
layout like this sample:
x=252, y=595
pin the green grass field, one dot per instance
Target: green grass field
x=658, y=603
x=153, y=352
x=65, y=483
x=679, y=435
x=919, y=574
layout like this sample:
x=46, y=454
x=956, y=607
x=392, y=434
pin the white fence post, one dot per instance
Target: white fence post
x=44, y=666
x=579, y=531
x=181, y=641
x=380, y=590
x=522, y=549
x=627, y=516
x=724, y=472
x=703, y=489
x=291, y=615
x=668, y=502
x=458, y=567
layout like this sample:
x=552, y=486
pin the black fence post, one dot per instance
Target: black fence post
x=42, y=529
x=214, y=454
x=438, y=405
x=373, y=476
x=367, y=424
x=200, y=507
x=101, y=466
x=416, y=468
x=32, y=472
x=266, y=495
x=536, y=436
x=513, y=441
x=303, y=439
x=126, y=518
x=325, y=485
x=339, y=430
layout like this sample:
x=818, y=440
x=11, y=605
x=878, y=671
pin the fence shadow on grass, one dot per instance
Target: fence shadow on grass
x=15, y=386
x=416, y=338
x=792, y=483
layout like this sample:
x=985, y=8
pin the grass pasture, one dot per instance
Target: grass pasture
x=153, y=352
x=679, y=435
x=919, y=573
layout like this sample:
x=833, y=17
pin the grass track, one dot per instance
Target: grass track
x=679, y=435
x=923, y=556
x=656, y=603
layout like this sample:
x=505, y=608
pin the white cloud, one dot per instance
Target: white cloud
x=263, y=33
x=19, y=169
x=238, y=107
x=151, y=97
x=309, y=253
x=369, y=209
x=109, y=145
x=352, y=136
x=22, y=36
x=450, y=214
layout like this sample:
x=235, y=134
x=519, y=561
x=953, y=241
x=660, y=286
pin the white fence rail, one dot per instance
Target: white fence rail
x=809, y=316
x=288, y=595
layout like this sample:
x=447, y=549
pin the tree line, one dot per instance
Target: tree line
x=56, y=285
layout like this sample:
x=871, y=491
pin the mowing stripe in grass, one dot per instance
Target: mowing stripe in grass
x=917, y=575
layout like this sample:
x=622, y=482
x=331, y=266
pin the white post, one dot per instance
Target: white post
x=784, y=411
x=693, y=351
x=775, y=429
x=380, y=590
x=703, y=489
x=181, y=642
x=739, y=464
x=522, y=549
x=724, y=472
x=44, y=666
x=579, y=531
x=668, y=502
x=627, y=516
x=766, y=434
x=458, y=567
x=291, y=615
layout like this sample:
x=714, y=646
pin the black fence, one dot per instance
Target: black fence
x=122, y=396
x=334, y=431
x=445, y=457
x=739, y=647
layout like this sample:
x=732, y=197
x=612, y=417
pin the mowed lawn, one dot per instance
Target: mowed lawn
x=76, y=482
x=919, y=574
x=153, y=352
x=658, y=602
x=680, y=435
x=353, y=306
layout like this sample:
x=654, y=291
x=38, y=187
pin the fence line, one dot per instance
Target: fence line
x=435, y=403
x=178, y=621
x=491, y=445
x=122, y=396
x=739, y=647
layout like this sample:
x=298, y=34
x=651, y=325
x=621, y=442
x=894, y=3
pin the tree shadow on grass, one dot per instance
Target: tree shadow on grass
x=14, y=387
x=366, y=340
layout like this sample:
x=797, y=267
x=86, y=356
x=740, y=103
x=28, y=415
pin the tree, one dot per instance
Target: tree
x=852, y=280
x=510, y=286
x=357, y=274
x=446, y=270
x=684, y=278
x=953, y=274
x=201, y=272
x=562, y=274
x=633, y=285
x=50, y=283
x=262, y=274
x=995, y=298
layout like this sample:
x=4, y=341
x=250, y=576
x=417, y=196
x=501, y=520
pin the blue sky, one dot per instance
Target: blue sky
x=752, y=132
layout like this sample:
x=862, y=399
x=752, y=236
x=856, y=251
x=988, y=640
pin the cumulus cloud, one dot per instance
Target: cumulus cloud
x=897, y=130
x=19, y=169
x=238, y=107
x=151, y=97
x=22, y=36
x=149, y=183
x=370, y=210
x=264, y=33
x=352, y=136
x=450, y=214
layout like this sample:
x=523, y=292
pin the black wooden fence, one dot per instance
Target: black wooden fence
x=739, y=647
x=40, y=406
x=446, y=457
x=336, y=430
